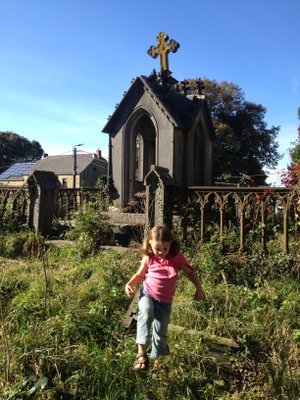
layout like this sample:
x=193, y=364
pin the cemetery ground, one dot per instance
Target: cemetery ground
x=62, y=336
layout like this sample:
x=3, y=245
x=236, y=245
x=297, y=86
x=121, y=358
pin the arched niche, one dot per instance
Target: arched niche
x=139, y=151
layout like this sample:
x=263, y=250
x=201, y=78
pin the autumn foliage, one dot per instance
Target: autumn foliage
x=291, y=177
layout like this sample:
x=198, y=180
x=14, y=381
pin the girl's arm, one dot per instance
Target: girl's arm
x=192, y=276
x=137, y=277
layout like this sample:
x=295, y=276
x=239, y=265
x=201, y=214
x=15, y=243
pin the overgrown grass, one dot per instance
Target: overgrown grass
x=61, y=333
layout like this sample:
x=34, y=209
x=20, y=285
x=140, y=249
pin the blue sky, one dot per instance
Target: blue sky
x=66, y=63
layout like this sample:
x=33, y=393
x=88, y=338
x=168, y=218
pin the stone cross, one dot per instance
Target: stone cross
x=162, y=50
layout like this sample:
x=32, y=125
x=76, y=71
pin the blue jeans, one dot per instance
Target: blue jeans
x=154, y=312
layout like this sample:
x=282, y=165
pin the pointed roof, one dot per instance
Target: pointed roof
x=46, y=179
x=180, y=106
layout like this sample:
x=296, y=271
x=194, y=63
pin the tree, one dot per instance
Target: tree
x=15, y=148
x=244, y=145
x=292, y=176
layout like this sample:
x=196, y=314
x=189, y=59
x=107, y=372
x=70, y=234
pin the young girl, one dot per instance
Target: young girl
x=160, y=266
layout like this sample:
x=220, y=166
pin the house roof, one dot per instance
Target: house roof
x=179, y=106
x=64, y=164
x=17, y=171
x=60, y=165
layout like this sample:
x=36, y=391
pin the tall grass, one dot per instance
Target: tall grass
x=61, y=337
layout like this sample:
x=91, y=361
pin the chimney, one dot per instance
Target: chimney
x=98, y=153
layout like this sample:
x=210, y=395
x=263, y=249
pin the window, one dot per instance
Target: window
x=139, y=158
x=65, y=182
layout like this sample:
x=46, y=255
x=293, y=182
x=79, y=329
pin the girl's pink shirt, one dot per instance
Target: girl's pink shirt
x=161, y=278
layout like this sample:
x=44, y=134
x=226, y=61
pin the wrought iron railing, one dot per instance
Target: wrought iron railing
x=72, y=200
x=246, y=208
x=14, y=206
x=202, y=210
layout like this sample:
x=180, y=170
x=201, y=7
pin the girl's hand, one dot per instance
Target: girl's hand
x=129, y=291
x=199, y=295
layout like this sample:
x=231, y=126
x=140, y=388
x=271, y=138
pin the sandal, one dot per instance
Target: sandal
x=141, y=363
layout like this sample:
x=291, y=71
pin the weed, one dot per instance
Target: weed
x=91, y=229
x=61, y=332
x=21, y=244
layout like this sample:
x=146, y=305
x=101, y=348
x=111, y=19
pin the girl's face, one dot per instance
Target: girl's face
x=160, y=249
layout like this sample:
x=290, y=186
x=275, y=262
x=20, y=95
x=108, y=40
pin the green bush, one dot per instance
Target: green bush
x=24, y=243
x=91, y=229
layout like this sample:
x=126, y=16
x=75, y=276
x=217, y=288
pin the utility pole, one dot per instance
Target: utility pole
x=75, y=163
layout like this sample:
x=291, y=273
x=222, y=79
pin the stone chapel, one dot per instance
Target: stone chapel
x=160, y=121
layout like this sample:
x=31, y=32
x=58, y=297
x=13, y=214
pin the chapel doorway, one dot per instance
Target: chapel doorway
x=140, y=152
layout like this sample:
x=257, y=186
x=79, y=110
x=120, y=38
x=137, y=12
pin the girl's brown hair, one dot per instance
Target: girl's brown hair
x=160, y=233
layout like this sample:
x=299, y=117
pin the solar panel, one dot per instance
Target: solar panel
x=16, y=170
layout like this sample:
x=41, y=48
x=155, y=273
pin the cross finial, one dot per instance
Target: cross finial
x=162, y=50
